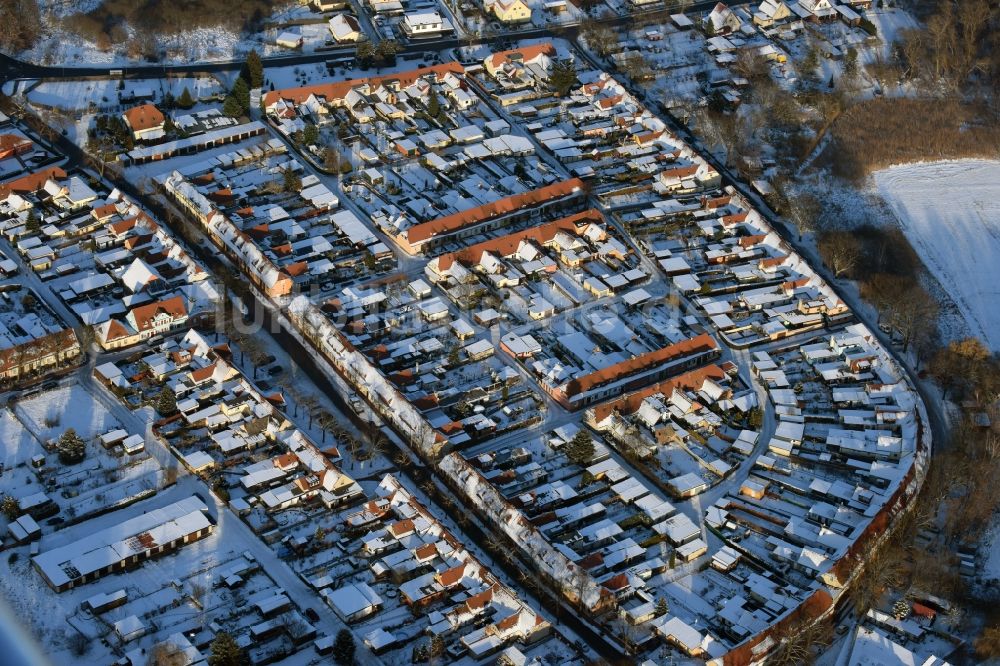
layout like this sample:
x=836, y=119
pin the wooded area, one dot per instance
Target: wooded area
x=880, y=132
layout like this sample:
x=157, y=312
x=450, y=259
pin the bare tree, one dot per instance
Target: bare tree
x=166, y=654
x=914, y=313
x=599, y=37
x=800, y=643
x=840, y=250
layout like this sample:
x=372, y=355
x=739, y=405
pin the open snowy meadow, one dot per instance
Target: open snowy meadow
x=950, y=212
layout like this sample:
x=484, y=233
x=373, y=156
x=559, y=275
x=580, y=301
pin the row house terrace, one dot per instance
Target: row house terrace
x=587, y=389
x=543, y=269
x=425, y=237
x=365, y=99
x=450, y=595
x=32, y=337
x=439, y=361
x=289, y=239
x=691, y=429
x=104, y=257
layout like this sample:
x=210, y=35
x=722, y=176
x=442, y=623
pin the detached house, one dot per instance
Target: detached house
x=345, y=28
x=770, y=12
x=142, y=323
x=722, y=21
x=817, y=10
x=145, y=121
x=510, y=11
x=155, y=318
x=422, y=24
x=536, y=59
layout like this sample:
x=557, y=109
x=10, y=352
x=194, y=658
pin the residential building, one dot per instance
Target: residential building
x=38, y=354
x=558, y=197
x=146, y=122
x=143, y=322
x=125, y=545
x=722, y=20
x=289, y=39
x=423, y=24
x=770, y=12
x=509, y=11
x=345, y=28
x=12, y=145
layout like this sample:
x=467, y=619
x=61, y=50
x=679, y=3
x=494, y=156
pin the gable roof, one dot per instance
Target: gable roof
x=144, y=314
x=524, y=54
x=703, y=342
x=31, y=182
x=689, y=381
x=339, y=89
x=507, y=245
x=442, y=225
x=450, y=577
x=112, y=330
x=13, y=142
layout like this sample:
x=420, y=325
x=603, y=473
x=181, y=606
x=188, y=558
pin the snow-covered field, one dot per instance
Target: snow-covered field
x=950, y=212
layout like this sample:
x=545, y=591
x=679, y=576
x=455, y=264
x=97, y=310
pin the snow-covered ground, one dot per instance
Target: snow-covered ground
x=988, y=575
x=60, y=45
x=48, y=415
x=950, y=212
x=17, y=446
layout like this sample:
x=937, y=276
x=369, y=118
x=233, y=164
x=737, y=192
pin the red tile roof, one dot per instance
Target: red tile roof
x=479, y=601
x=401, y=527
x=13, y=144
x=703, y=342
x=507, y=245
x=508, y=622
x=143, y=117
x=339, y=89
x=115, y=331
x=202, y=374
x=144, y=314
x=31, y=182
x=689, y=381
x=442, y=225
x=750, y=241
x=618, y=582
x=450, y=577
x=25, y=354
x=524, y=54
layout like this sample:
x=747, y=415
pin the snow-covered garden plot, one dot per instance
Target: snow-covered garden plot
x=18, y=445
x=105, y=478
x=48, y=415
x=950, y=212
x=178, y=594
x=107, y=95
